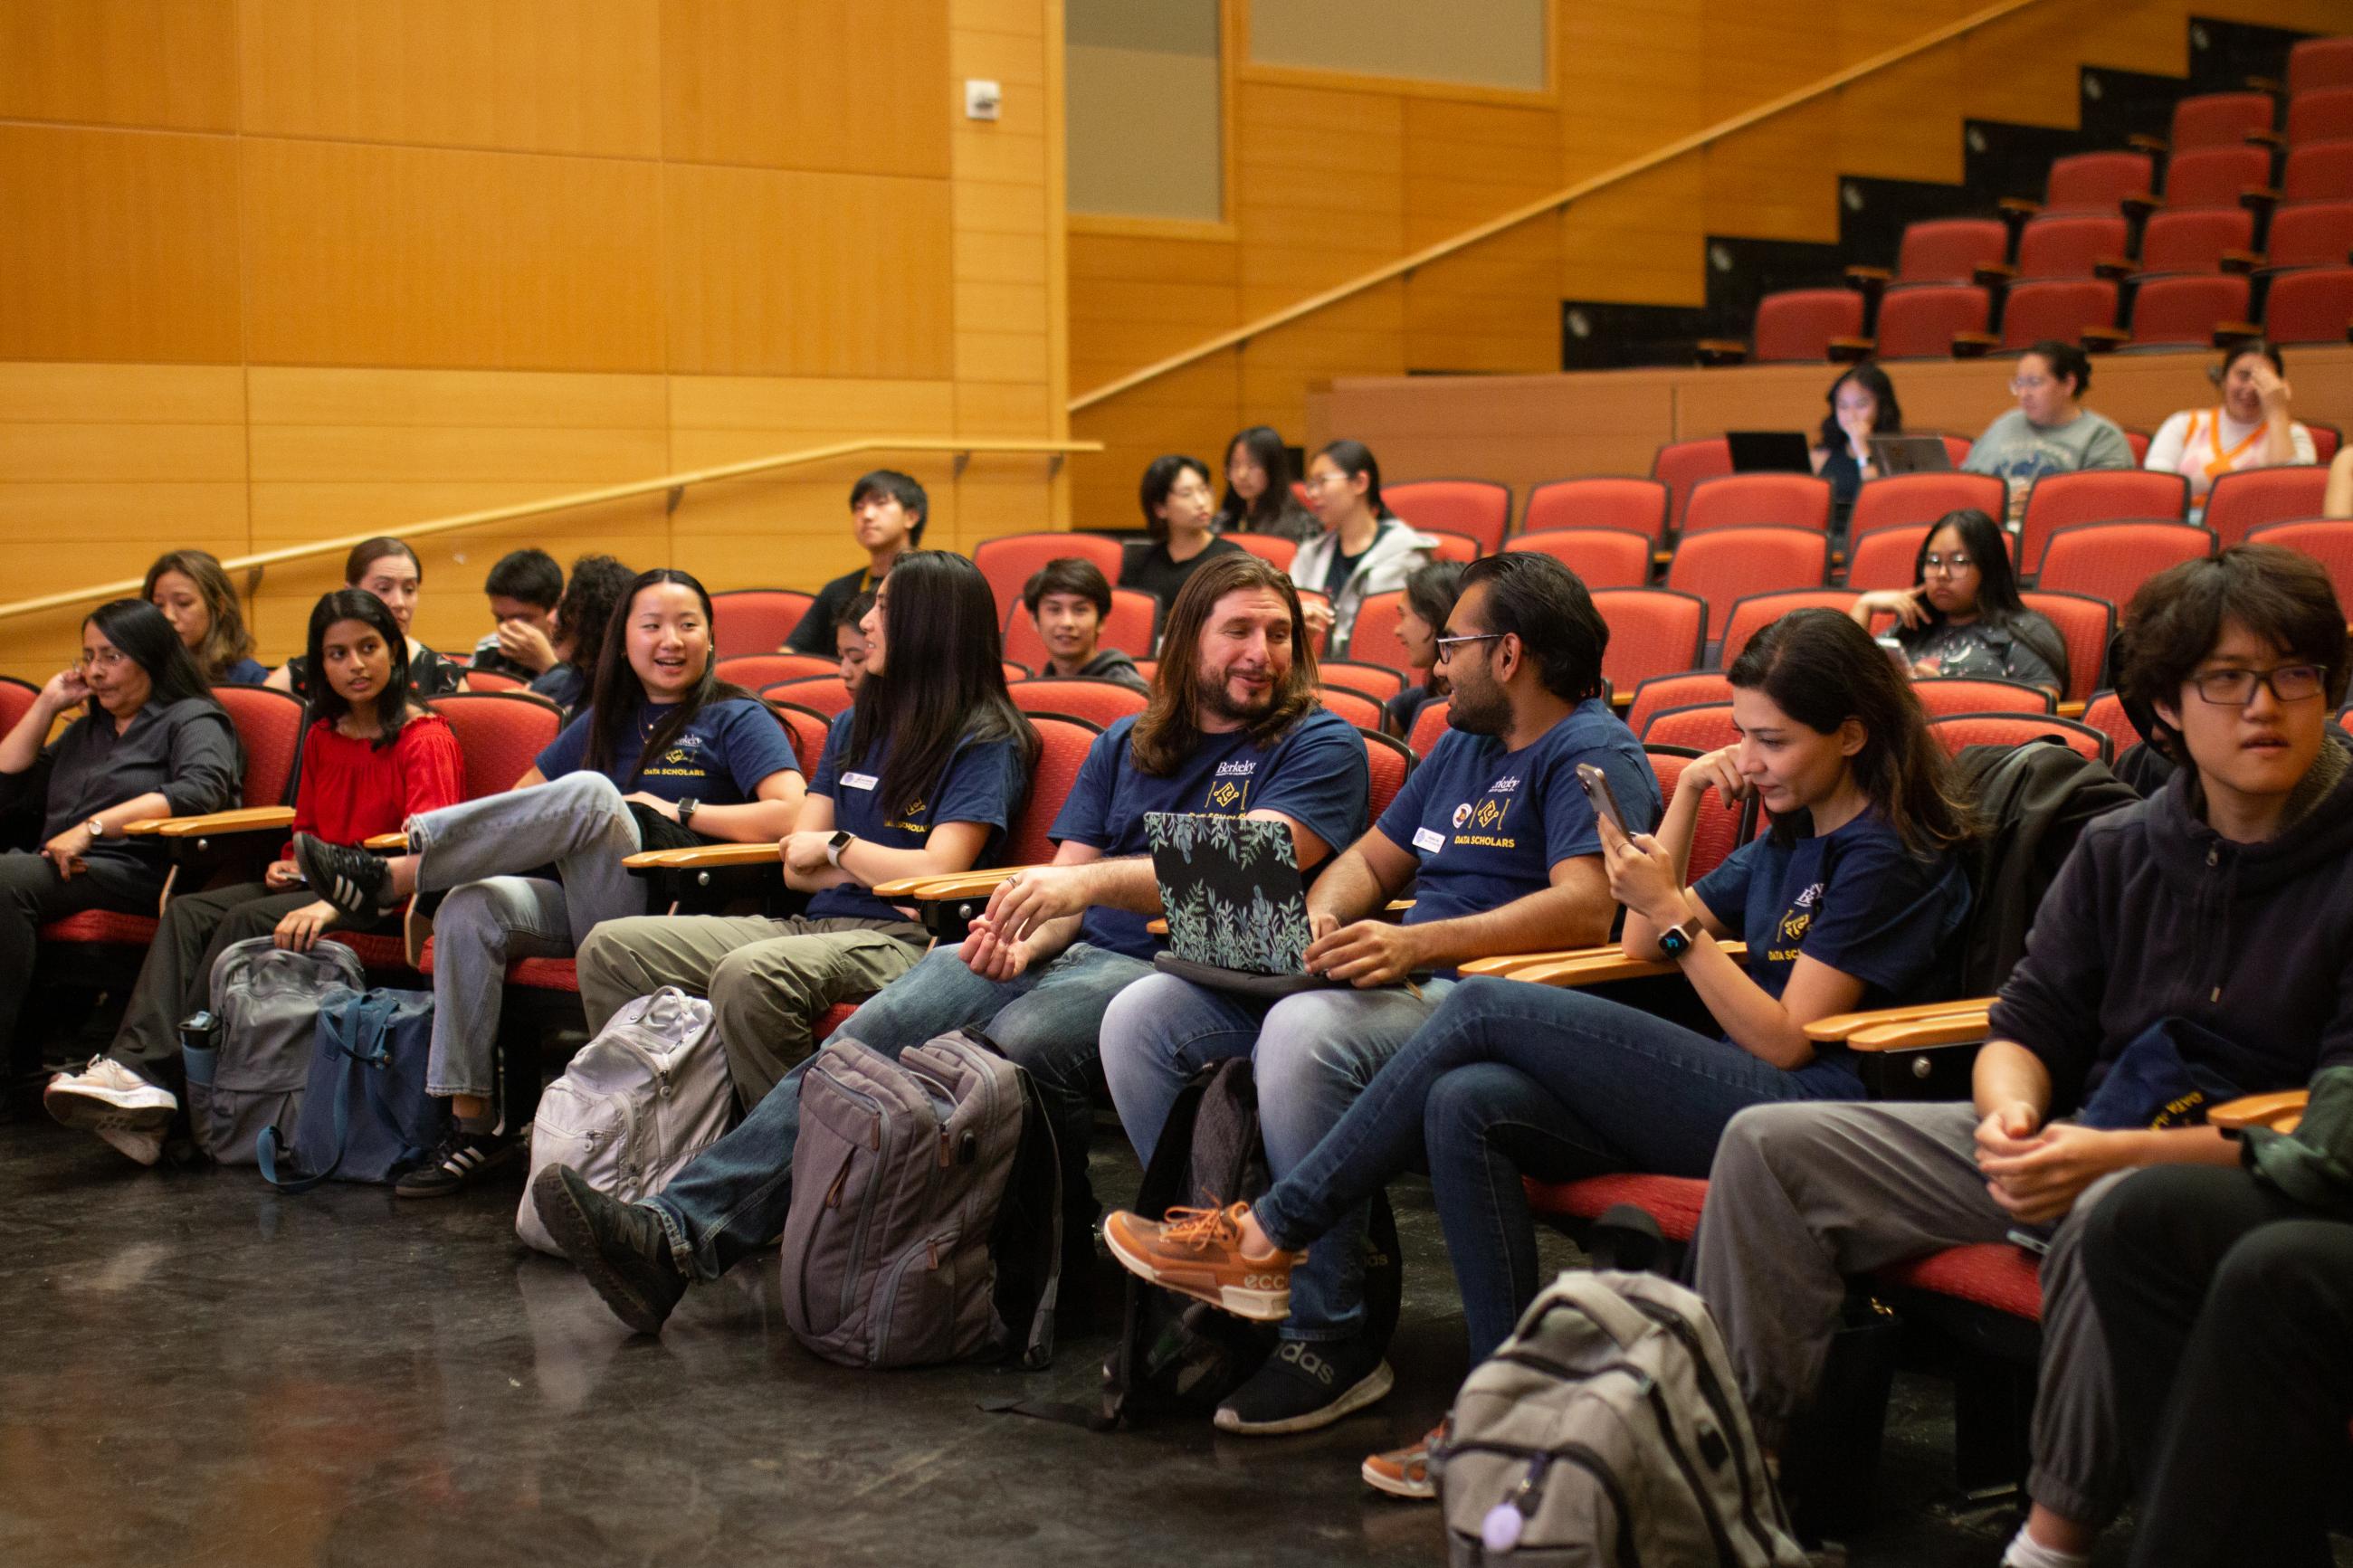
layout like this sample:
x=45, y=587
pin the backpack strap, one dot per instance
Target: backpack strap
x=356, y=1033
x=1037, y=1347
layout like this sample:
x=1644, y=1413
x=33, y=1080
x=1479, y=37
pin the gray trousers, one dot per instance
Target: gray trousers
x=1804, y=1195
x=580, y=825
x=769, y=980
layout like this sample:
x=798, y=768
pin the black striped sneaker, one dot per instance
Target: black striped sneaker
x=461, y=1157
x=354, y=880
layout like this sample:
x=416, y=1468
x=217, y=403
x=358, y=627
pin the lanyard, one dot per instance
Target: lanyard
x=2224, y=461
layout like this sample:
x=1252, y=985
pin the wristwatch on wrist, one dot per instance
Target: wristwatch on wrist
x=686, y=810
x=97, y=828
x=1677, y=939
x=836, y=844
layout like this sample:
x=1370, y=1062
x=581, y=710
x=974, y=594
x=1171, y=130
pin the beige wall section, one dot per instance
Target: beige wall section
x=290, y=269
x=1338, y=175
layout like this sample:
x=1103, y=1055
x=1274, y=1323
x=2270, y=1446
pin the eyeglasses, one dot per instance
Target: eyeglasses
x=1955, y=563
x=2236, y=687
x=1446, y=645
x=1317, y=481
x=2019, y=383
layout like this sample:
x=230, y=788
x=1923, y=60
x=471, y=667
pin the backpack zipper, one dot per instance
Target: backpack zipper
x=1628, y=1554
x=1711, y=1388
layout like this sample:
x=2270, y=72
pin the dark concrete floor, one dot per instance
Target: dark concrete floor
x=195, y=1370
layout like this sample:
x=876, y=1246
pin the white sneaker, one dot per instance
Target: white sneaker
x=145, y=1147
x=106, y=1097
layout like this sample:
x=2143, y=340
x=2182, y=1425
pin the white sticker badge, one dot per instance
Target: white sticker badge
x=859, y=781
x=1429, y=839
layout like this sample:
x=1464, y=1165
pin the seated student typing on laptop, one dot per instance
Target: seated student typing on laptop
x=1847, y=903
x=1233, y=728
x=1496, y=837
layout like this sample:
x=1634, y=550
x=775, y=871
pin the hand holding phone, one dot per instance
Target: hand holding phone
x=1604, y=800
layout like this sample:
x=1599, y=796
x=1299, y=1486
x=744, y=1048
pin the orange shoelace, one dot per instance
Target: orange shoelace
x=1202, y=1228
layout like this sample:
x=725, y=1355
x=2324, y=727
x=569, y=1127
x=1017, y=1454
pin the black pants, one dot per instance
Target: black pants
x=2229, y=1315
x=32, y=894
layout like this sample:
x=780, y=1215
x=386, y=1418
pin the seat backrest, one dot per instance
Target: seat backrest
x=1445, y=544
x=755, y=620
x=2187, y=309
x=2309, y=306
x=2220, y=119
x=1604, y=501
x=16, y=701
x=1787, y=501
x=1723, y=564
x=1922, y=498
x=1063, y=745
x=1380, y=680
x=1957, y=694
x=1752, y=612
x=1652, y=631
x=2325, y=114
x=2095, y=495
x=2069, y=244
x=1948, y=250
x=491, y=680
x=2106, y=713
x=1102, y=703
x=2053, y=309
x=2193, y=239
x=807, y=728
x=2330, y=542
x=1919, y=321
x=1954, y=730
x=1276, y=551
x=1601, y=557
x=825, y=693
x=500, y=736
x=2213, y=176
x=1389, y=762
x=1358, y=708
x=2096, y=182
x=1011, y=560
x=1686, y=689
x=2316, y=171
x=2326, y=439
x=1680, y=465
x=1429, y=725
x=1701, y=726
x=2086, y=626
x=2310, y=234
x=754, y=671
x=269, y=729
x=1478, y=509
x=1717, y=831
x=2314, y=63
x=1374, y=639
x=2111, y=560
x=1884, y=557
x=1798, y=324
x=1134, y=621
x=2250, y=498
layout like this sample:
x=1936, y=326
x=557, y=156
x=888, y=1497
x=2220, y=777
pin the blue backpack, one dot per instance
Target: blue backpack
x=365, y=1115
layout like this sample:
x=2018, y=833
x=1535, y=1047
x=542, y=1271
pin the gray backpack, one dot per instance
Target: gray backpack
x=926, y=1211
x=266, y=1004
x=1609, y=1429
x=647, y=1095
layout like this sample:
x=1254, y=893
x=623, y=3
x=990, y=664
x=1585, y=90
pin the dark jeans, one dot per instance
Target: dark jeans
x=31, y=896
x=1510, y=1080
x=2229, y=1316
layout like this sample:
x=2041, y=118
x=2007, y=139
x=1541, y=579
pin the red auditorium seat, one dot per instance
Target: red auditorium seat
x=1102, y=703
x=2325, y=114
x=1959, y=694
x=2213, y=176
x=16, y=701
x=1358, y=708
x=2185, y=310
x=1133, y=622
x=2138, y=441
x=824, y=694
x=1994, y=1274
x=754, y=671
x=1688, y=688
x=1011, y=560
x=2197, y=239
x=2310, y=234
x=1478, y=509
x=1601, y=557
x=1652, y=631
x=1388, y=761
x=1680, y=465
x=1919, y=321
x=2315, y=63
x=1885, y=557
x=1278, y=552
x=1954, y=730
x=1723, y=564
x=2105, y=713
x=1753, y=613
x=490, y=681
x=755, y=620
x=1703, y=726
x=2095, y=495
x=1379, y=680
x=808, y=728
x=2329, y=543
x=2069, y=244
x=2096, y=182
x=2317, y=171
x=2326, y=439
x=2313, y=305
x=1374, y=638
x=1605, y=501
x=2220, y=120
x=2034, y=312
x=1674, y=1201
x=1798, y=324
x=1948, y=250
x=1720, y=828
x=1922, y=498
x=1733, y=501
x=2086, y=626
x=1430, y=725
x=2254, y=497
x=1448, y=545
x=500, y=736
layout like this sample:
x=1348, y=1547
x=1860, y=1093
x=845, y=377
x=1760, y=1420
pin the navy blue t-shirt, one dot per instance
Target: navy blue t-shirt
x=1489, y=825
x=719, y=759
x=983, y=782
x=1314, y=773
x=1855, y=900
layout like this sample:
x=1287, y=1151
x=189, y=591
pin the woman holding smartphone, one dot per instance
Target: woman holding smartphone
x=1847, y=903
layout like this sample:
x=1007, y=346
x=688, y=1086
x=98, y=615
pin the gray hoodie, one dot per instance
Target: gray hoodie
x=1396, y=554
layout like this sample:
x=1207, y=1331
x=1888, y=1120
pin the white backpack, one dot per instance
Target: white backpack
x=1608, y=1430
x=643, y=1097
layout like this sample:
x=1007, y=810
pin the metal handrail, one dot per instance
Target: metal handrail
x=667, y=482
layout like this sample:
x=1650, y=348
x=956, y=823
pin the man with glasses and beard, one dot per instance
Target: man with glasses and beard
x=1496, y=837
x=1233, y=728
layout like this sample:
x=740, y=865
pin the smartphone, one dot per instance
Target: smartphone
x=1595, y=784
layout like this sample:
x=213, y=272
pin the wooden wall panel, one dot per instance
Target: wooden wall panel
x=539, y=76
x=160, y=64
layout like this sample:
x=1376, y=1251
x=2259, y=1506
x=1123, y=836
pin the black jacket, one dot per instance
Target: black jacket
x=2036, y=800
x=2157, y=916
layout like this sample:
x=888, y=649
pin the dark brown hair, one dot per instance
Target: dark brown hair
x=228, y=641
x=1068, y=574
x=1170, y=729
x=2279, y=595
x=942, y=683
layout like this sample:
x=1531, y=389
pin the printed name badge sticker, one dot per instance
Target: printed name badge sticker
x=859, y=781
x=1430, y=839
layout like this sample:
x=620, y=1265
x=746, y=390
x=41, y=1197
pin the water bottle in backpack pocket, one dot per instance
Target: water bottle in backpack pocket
x=365, y=1115
x=638, y=1102
x=246, y=1072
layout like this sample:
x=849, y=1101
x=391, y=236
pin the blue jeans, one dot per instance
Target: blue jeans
x=1312, y=1055
x=731, y=1200
x=1509, y=1078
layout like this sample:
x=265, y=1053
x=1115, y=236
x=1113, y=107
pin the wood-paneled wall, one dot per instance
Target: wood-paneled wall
x=1335, y=177
x=288, y=270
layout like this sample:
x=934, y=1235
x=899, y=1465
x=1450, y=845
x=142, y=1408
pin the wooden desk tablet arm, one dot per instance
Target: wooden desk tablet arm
x=250, y=819
x=1596, y=966
x=2280, y=1111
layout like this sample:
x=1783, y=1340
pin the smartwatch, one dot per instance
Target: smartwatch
x=686, y=810
x=836, y=844
x=1677, y=939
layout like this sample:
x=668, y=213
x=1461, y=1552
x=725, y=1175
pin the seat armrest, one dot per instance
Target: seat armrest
x=2271, y=138
x=250, y=819
x=701, y=856
x=1512, y=963
x=1720, y=351
x=2270, y=84
x=1841, y=1027
x=1868, y=279
x=2156, y=145
x=2072, y=709
x=2105, y=339
x=1992, y=274
x=1974, y=345
x=1601, y=965
x=387, y=843
x=2140, y=205
x=2240, y=261
x=1851, y=351
x=2281, y=1112
x=2228, y=332
x=1943, y=1029
x=2115, y=269
x=2017, y=207
x=962, y=885
x=2259, y=199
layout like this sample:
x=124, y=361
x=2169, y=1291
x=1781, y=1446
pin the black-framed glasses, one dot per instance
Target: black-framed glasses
x=2236, y=687
x=1446, y=645
x=1955, y=562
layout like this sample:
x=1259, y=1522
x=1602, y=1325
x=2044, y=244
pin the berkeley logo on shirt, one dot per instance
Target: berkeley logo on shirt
x=913, y=822
x=683, y=760
x=1229, y=787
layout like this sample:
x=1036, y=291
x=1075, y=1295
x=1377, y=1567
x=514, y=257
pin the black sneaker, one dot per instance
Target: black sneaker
x=461, y=1157
x=622, y=1248
x=1307, y=1383
x=354, y=880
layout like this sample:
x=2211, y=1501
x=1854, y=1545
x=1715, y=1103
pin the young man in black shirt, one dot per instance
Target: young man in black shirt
x=887, y=513
x=1067, y=599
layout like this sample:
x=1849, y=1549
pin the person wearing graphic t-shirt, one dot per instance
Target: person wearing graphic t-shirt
x=1233, y=729
x=920, y=779
x=887, y=510
x=2050, y=431
x=1847, y=902
x=697, y=760
x=1495, y=836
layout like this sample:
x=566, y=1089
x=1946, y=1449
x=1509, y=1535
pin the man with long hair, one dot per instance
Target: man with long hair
x=1233, y=728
